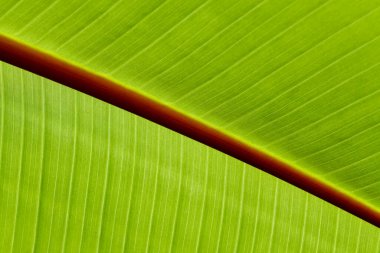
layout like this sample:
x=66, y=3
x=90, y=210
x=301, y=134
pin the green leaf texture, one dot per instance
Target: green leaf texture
x=296, y=79
x=77, y=174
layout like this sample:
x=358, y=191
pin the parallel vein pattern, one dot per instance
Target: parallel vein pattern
x=103, y=180
x=297, y=79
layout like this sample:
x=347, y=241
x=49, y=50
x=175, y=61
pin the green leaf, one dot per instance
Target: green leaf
x=296, y=80
x=80, y=175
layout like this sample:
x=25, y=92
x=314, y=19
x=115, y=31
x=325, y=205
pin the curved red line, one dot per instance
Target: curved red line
x=48, y=66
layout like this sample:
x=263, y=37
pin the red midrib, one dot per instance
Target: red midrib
x=43, y=64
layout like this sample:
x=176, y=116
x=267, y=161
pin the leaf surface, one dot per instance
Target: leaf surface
x=78, y=174
x=298, y=80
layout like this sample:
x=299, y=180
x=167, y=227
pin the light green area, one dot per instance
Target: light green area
x=77, y=174
x=299, y=79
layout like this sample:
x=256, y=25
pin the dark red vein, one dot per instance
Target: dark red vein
x=41, y=63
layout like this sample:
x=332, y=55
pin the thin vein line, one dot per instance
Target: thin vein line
x=332, y=133
x=255, y=234
x=55, y=177
x=255, y=50
x=241, y=210
x=334, y=112
x=2, y=98
x=364, y=130
x=210, y=39
x=215, y=206
x=359, y=237
x=30, y=22
x=151, y=44
x=350, y=230
x=372, y=199
x=133, y=179
x=205, y=191
x=6, y=220
x=2, y=135
x=27, y=174
x=313, y=75
x=10, y=9
x=293, y=87
x=360, y=177
x=178, y=47
x=61, y=187
x=166, y=201
x=319, y=225
x=336, y=232
x=43, y=162
x=378, y=243
x=190, y=201
x=157, y=8
x=175, y=223
x=155, y=187
x=221, y=218
x=21, y=158
x=230, y=47
x=274, y=218
x=62, y=20
x=366, y=186
x=122, y=161
x=72, y=169
x=290, y=215
x=93, y=216
x=349, y=153
x=304, y=223
x=106, y=179
x=145, y=170
x=353, y=164
x=282, y=67
x=113, y=5
x=84, y=216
